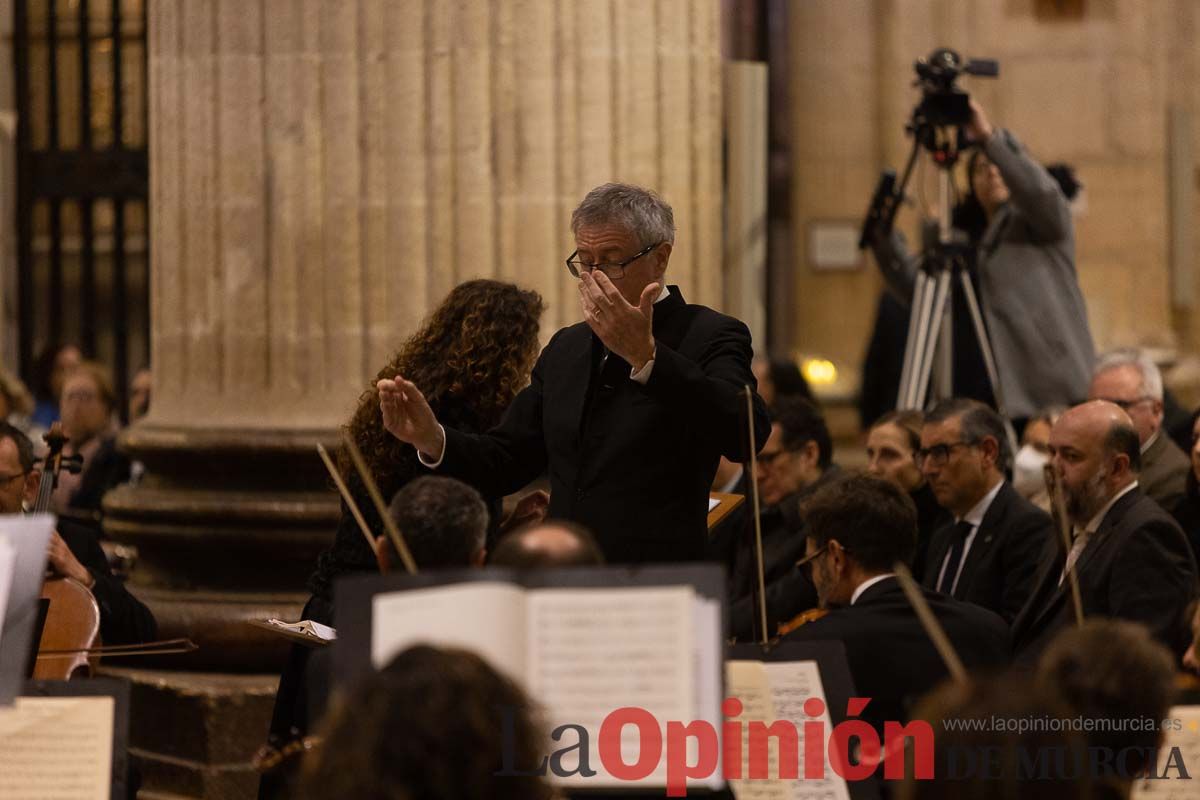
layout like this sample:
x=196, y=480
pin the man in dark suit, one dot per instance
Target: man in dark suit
x=629, y=410
x=858, y=529
x=1130, y=557
x=990, y=552
x=74, y=550
x=1130, y=379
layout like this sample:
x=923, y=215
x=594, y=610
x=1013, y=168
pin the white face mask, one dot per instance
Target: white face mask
x=1028, y=471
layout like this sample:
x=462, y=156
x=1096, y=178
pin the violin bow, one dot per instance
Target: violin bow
x=162, y=648
x=1058, y=507
x=933, y=629
x=341, y=485
x=389, y=524
x=758, y=546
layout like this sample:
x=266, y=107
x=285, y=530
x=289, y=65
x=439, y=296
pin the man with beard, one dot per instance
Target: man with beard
x=1132, y=560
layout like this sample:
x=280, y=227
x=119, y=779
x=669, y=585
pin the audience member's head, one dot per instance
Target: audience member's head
x=797, y=452
x=87, y=402
x=779, y=379
x=983, y=751
x=892, y=444
x=553, y=543
x=1030, y=461
x=1112, y=673
x=139, y=394
x=434, y=724
x=857, y=527
x=444, y=522
x=50, y=368
x=964, y=452
x=1096, y=455
x=15, y=399
x=1130, y=379
x=18, y=477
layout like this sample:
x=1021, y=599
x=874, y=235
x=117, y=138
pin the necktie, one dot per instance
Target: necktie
x=1081, y=540
x=958, y=538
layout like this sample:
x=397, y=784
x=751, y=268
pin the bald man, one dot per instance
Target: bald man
x=1132, y=560
x=554, y=543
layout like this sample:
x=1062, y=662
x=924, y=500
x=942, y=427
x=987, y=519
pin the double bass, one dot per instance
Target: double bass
x=72, y=629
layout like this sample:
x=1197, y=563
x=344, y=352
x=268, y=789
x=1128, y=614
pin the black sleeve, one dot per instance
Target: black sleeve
x=1153, y=582
x=712, y=389
x=123, y=618
x=1021, y=558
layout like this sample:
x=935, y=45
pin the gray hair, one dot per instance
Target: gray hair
x=1152, y=385
x=640, y=211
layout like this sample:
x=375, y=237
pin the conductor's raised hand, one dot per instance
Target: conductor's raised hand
x=624, y=328
x=408, y=417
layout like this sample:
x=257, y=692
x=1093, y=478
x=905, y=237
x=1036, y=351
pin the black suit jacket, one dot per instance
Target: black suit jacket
x=892, y=660
x=633, y=463
x=1136, y=566
x=123, y=618
x=1001, y=565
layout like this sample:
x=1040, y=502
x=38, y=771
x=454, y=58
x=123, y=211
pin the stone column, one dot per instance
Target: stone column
x=322, y=173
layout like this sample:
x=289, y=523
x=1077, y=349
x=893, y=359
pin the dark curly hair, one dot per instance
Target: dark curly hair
x=430, y=725
x=470, y=358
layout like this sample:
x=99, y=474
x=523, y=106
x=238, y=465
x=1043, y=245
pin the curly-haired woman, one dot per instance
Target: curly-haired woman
x=474, y=352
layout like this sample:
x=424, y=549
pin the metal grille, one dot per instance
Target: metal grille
x=82, y=181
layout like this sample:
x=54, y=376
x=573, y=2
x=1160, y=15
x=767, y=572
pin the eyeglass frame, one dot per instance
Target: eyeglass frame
x=923, y=453
x=805, y=564
x=621, y=265
x=1125, y=405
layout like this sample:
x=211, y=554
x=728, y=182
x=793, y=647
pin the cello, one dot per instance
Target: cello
x=72, y=628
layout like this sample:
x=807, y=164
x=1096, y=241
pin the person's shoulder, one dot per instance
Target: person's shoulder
x=1020, y=508
x=963, y=619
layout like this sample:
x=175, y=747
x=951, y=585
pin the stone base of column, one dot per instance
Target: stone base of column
x=193, y=735
x=228, y=525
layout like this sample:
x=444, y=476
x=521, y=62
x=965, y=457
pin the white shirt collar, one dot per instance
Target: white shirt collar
x=662, y=294
x=867, y=584
x=1150, y=442
x=1094, y=525
x=977, y=512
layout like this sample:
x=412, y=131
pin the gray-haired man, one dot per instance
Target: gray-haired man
x=628, y=411
x=1130, y=379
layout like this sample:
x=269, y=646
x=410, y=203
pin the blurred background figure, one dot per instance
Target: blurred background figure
x=49, y=370
x=16, y=408
x=553, y=543
x=1029, y=464
x=779, y=378
x=139, y=395
x=88, y=407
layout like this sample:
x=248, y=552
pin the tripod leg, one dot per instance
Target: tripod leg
x=936, y=316
x=989, y=358
x=913, y=344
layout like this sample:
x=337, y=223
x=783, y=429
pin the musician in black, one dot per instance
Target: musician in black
x=74, y=549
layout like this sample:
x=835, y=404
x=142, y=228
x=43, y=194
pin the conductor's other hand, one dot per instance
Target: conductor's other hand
x=408, y=417
x=978, y=128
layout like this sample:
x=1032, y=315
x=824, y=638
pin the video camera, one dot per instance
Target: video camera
x=943, y=103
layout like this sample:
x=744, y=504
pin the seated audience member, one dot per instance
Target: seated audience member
x=780, y=379
x=16, y=408
x=49, y=370
x=1131, y=559
x=988, y=555
x=1115, y=677
x=857, y=529
x=892, y=444
x=977, y=759
x=1187, y=511
x=796, y=459
x=1029, y=477
x=553, y=543
x=74, y=550
x=1130, y=379
x=444, y=523
x=88, y=421
x=434, y=724
x=139, y=394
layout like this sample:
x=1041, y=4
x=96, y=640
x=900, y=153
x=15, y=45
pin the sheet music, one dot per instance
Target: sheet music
x=1187, y=739
x=708, y=657
x=484, y=617
x=29, y=536
x=713, y=503
x=57, y=747
x=307, y=627
x=593, y=651
x=772, y=691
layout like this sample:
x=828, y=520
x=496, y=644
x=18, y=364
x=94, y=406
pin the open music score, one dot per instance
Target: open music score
x=58, y=747
x=720, y=505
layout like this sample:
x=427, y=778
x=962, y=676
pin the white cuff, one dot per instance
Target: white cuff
x=643, y=375
x=434, y=464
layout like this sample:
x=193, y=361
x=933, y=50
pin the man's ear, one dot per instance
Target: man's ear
x=33, y=482
x=383, y=554
x=663, y=254
x=810, y=454
x=991, y=450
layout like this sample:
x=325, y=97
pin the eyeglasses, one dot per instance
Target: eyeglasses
x=805, y=564
x=939, y=453
x=614, y=271
x=1125, y=404
x=766, y=459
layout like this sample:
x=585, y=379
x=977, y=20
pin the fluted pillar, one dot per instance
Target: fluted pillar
x=323, y=172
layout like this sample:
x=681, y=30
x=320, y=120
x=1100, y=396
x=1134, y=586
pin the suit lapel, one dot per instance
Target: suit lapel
x=985, y=536
x=937, y=554
x=582, y=370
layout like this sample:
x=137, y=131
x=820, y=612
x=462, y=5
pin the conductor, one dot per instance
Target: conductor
x=629, y=411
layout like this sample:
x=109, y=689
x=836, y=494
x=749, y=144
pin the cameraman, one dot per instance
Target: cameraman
x=1024, y=270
